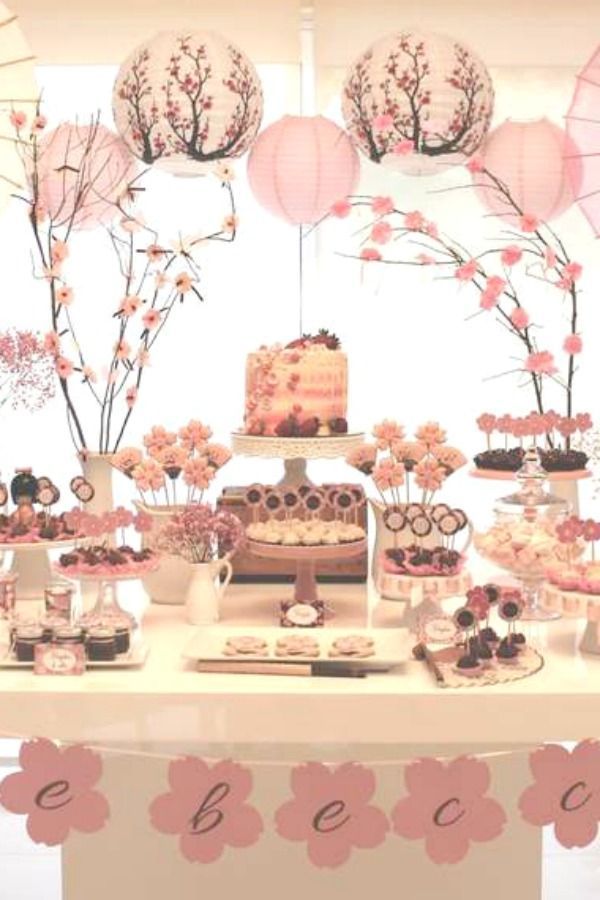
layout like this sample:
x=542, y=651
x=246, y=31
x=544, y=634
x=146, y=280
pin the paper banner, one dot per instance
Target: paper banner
x=331, y=813
x=565, y=793
x=207, y=808
x=55, y=790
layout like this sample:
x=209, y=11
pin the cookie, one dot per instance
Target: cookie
x=297, y=645
x=85, y=491
x=245, y=645
x=420, y=526
x=354, y=646
x=448, y=524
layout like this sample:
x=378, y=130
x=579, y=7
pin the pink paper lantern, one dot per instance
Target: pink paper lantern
x=83, y=171
x=529, y=157
x=417, y=102
x=583, y=128
x=300, y=166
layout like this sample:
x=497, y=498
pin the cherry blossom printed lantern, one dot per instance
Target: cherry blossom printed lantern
x=300, y=166
x=83, y=174
x=418, y=102
x=530, y=159
x=184, y=99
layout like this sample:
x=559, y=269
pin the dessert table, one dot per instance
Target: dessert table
x=168, y=708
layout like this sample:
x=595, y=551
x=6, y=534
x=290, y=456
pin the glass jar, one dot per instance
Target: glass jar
x=523, y=538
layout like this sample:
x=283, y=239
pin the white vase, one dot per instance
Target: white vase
x=98, y=470
x=169, y=582
x=204, y=591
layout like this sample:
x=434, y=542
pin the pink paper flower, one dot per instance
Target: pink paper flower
x=494, y=286
x=386, y=432
x=566, y=426
x=64, y=295
x=89, y=374
x=447, y=806
x=206, y=807
x=370, y=254
x=467, y=271
x=194, y=435
x=183, y=284
x=475, y=165
x=488, y=301
x=363, y=458
x=486, y=423
x=148, y=476
x=331, y=812
x=425, y=259
x=415, y=220
x=565, y=792
x=519, y=318
x=511, y=255
x=341, y=209
x=382, y=206
x=122, y=350
x=127, y=459
x=217, y=455
x=505, y=424
x=158, y=437
x=573, y=344
x=151, y=319
x=529, y=223
x=573, y=271
x=541, y=363
x=432, y=230
x=381, y=233
x=130, y=305
x=198, y=474
x=383, y=122
x=124, y=517
x=64, y=367
x=403, y=148
x=55, y=789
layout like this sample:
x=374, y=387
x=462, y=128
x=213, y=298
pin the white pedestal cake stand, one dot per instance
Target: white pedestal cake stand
x=31, y=564
x=575, y=604
x=423, y=594
x=295, y=451
x=564, y=484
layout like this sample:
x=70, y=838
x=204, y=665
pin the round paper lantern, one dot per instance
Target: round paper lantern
x=83, y=170
x=529, y=158
x=20, y=96
x=418, y=102
x=183, y=99
x=300, y=166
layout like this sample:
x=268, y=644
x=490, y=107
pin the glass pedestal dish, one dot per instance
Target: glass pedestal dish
x=523, y=540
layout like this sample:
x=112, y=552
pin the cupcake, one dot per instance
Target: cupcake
x=468, y=666
x=507, y=653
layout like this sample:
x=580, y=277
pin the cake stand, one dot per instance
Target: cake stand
x=305, y=587
x=576, y=604
x=107, y=603
x=31, y=564
x=564, y=484
x=295, y=451
x=422, y=594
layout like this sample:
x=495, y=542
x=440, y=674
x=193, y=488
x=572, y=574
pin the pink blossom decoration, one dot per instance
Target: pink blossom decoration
x=541, y=363
x=370, y=254
x=447, y=806
x=475, y=165
x=341, y=209
x=55, y=789
x=381, y=233
x=573, y=271
x=414, y=221
x=383, y=122
x=403, y=148
x=18, y=119
x=207, y=807
x=584, y=421
x=486, y=423
x=488, y=301
x=386, y=432
x=529, y=223
x=425, y=259
x=64, y=367
x=511, y=255
x=565, y=792
x=573, y=344
x=467, y=271
x=331, y=812
x=382, y=206
x=549, y=258
x=494, y=286
x=519, y=318
x=389, y=474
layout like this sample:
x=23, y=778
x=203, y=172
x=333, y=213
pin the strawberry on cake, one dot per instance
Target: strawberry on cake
x=299, y=390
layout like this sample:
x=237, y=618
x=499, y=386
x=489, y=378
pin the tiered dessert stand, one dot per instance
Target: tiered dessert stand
x=295, y=451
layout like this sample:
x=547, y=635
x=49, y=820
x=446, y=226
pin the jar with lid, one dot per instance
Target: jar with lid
x=522, y=539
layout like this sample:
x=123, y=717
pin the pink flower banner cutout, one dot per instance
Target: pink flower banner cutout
x=206, y=807
x=565, y=792
x=56, y=789
x=331, y=812
x=447, y=807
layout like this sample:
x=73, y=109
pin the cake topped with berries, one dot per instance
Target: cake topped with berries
x=299, y=390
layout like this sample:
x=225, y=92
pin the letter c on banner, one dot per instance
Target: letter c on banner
x=439, y=815
x=568, y=794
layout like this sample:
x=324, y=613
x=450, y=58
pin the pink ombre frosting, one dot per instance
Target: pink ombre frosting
x=306, y=382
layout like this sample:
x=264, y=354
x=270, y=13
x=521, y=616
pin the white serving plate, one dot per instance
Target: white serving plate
x=392, y=646
x=134, y=659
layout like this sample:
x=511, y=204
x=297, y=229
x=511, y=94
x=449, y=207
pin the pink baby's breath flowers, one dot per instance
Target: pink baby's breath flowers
x=199, y=534
x=151, y=319
x=27, y=367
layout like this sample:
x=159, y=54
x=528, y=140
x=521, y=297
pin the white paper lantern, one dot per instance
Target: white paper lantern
x=418, y=102
x=184, y=99
x=20, y=96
